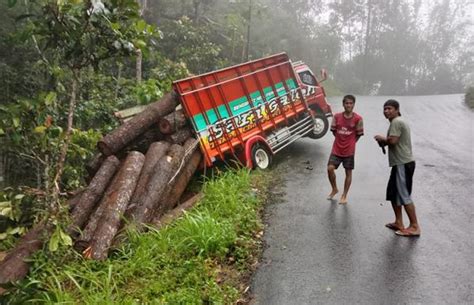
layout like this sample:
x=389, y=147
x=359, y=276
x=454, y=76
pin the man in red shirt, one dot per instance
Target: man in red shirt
x=347, y=128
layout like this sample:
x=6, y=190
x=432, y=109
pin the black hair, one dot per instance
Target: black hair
x=393, y=103
x=349, y=97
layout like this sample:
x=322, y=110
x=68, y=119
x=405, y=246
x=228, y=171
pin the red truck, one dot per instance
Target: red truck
x=253, y=110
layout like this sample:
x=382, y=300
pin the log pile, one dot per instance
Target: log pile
x=137, y=177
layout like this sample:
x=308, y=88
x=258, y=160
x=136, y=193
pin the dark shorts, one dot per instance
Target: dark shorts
x=347, y=162
x=400, y=184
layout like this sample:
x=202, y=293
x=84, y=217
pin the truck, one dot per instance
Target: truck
x=253, y=110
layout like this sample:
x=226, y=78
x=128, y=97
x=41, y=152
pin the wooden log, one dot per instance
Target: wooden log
x=178, y=184
x=162, y=173
x=172, y=122
x=94, y=164
x=142, y=142
x=156, y=151
x=15, y=266
x=74, y=199
x=169, y=217
x=116, y=205
x=93, y=193
x=180, y=136
x=130, y=130
x=82, y=242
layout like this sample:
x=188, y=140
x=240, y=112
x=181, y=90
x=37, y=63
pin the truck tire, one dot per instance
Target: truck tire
x=321, y=126
x=261, y=157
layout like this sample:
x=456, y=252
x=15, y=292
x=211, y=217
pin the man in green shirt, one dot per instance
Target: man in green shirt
x=400, y=158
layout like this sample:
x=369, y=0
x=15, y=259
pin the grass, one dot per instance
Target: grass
x=205, y=257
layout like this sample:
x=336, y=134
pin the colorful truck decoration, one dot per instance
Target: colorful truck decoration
x=254, y=109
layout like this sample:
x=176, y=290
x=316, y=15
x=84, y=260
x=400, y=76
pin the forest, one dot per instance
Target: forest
x=67, y=65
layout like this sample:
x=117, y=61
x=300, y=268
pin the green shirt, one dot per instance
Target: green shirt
x=400, y=153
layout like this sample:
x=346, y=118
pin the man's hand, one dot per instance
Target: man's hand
x=381, y=140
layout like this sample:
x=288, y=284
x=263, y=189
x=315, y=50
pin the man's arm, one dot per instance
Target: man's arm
x=384, y=141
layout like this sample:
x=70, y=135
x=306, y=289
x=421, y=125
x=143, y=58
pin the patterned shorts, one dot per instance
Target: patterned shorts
x=347, y=162
x=400, y=184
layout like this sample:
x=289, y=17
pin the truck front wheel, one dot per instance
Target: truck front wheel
x=261, y=157
x=321, y=126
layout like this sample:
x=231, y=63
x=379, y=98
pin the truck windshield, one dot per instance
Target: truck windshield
x=307, y=78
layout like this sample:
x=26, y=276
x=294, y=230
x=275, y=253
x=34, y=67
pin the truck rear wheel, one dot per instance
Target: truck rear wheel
x=321, y=126
x=261, y=157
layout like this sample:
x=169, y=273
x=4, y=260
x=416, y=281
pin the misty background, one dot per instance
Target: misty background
x=401, y=47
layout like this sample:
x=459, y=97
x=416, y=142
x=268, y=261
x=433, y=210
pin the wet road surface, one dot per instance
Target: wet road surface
x=320, y=252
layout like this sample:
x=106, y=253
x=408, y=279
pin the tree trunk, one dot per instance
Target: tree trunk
x=93, y=193
x=94, y=164
x=160, y=222
x=180, y=136
x=86, y=235
x=15, y=266
x=67, y=139
x=156, y=151
x=157, y=185
x=130, y=130
x=172, y=122
x=142, y=142
x=116, y=205
x=178, y=185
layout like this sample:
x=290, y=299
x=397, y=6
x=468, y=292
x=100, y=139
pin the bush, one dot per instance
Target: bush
x=469, y=97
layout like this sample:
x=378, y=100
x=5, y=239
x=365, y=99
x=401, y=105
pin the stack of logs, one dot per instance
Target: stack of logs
x=139, y=175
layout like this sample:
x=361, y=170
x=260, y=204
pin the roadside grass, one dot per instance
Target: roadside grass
x=204, y=257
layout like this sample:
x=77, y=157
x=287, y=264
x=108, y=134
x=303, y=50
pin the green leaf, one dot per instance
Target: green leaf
x=66, y=239
x=53, y=242
x=2, y=132
x=19, y=196
x=141, y=25
x=3, y=236
x=6, y=212
x=50, y=98
x=40, y=129
x=5, y=204
x=16, y=122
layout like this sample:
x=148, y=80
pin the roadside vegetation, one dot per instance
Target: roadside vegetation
x=206, y=256
x=469, y=97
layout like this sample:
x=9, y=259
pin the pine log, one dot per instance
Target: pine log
x=169, y=217
x=81, y=243
x=130, y=130
x=116, y=205
x=74, y=199
x=156, y=151
x=172, y=122
x=142, y=142
x=162, y=173
x=93, y=193
x=15, y=266
x=178, y=184
x=94, y=164
x=180, y=136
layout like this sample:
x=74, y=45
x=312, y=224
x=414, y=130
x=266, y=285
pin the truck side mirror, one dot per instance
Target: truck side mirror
x=324, y=75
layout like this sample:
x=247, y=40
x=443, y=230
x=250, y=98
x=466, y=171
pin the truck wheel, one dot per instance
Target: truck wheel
x=261, y=157
x=320, y=128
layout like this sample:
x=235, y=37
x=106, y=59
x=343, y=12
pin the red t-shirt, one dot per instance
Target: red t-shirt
x=346, y=131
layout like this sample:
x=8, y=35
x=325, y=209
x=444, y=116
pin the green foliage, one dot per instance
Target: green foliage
x=14, y=216
x=469, y=97
x=197, y=259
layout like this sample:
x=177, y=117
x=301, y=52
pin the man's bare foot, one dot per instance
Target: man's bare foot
x=333, y=193
x=409, y=232
x=394, y=226
x=343, y=200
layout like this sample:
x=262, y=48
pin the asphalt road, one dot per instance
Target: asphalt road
x=320, y=252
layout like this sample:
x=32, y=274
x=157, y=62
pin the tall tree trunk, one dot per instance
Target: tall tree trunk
x=67, y=139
